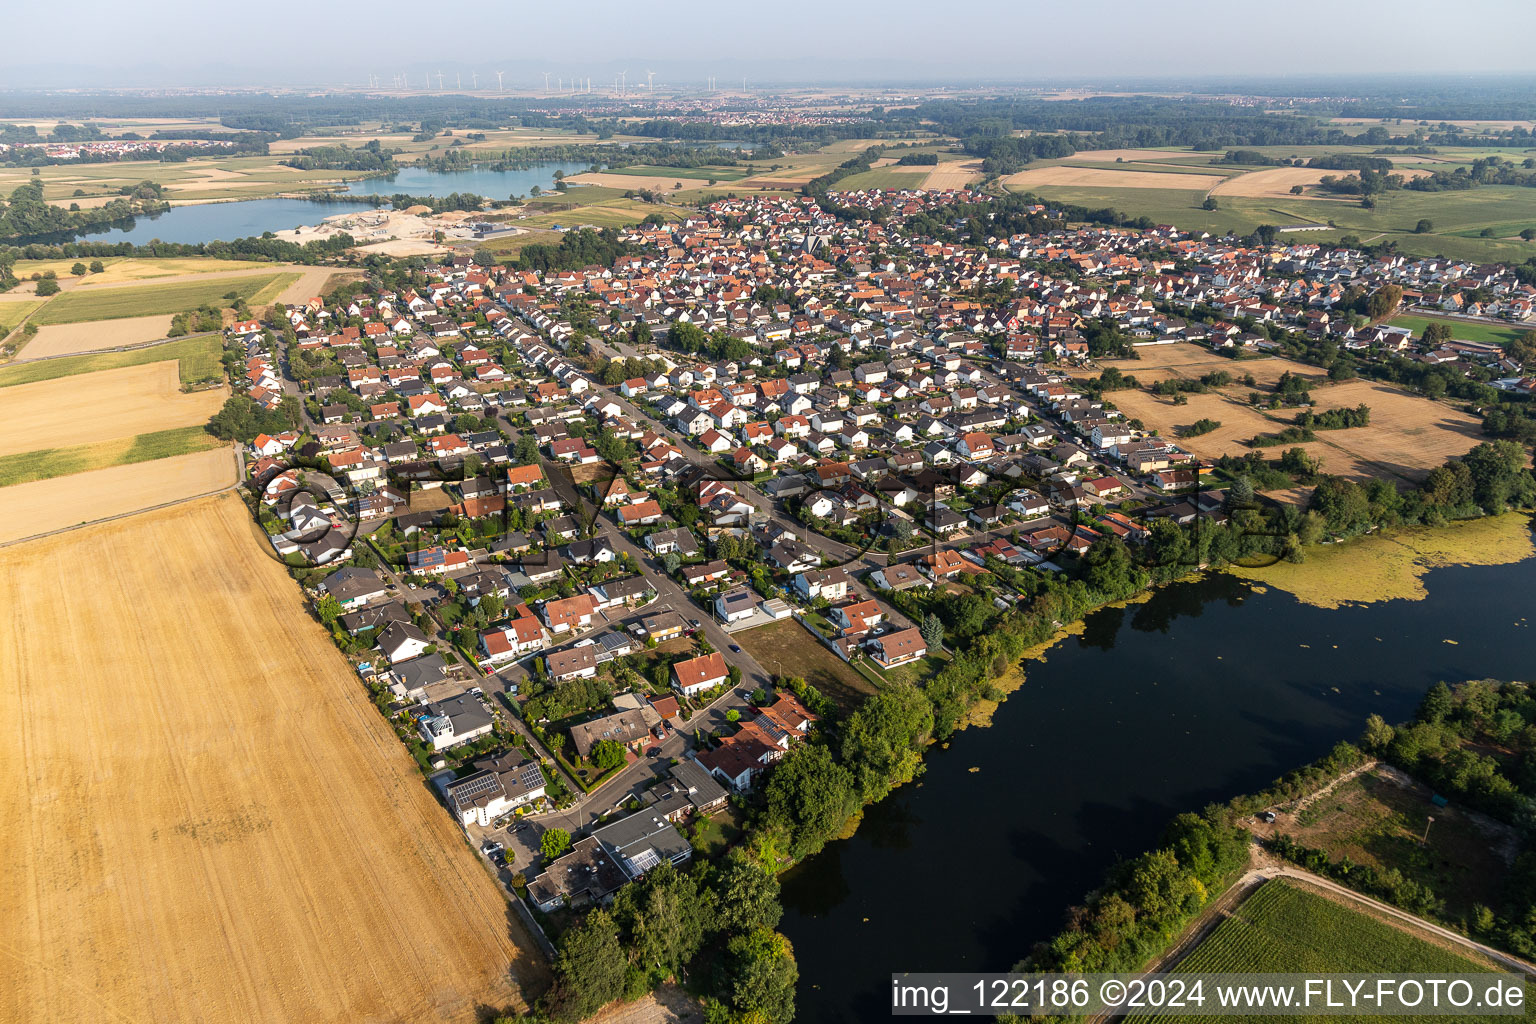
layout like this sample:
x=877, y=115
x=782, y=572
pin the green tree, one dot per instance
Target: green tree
x=47, y=286
x=589, y=969
x=606, y=755
x=554, y=842
x=1436, y=333
x=747, y=895
x=1342, y=503
x=808, y=799
x=1424, y=227
x=1209, y=204
x=329, y=609
x=882, y=741
x=1436, y=705
x=78, y=270
x=1378, y=734
x=1239, y=495
x=760, y=974
x=97, y=266
x=932, y=630
x=665, y=917
x=1384, y=300
x=1499, y=476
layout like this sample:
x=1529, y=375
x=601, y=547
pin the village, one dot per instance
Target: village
x=544, y=513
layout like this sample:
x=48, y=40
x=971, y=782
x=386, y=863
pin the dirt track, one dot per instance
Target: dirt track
x=98, y=406
x=207, y=820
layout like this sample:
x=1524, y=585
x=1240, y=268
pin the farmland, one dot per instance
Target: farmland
x=1283, y=927
x=885, y=177
x=697, y=173
x=72, y=339
x=1094, y=177
x=127, y=270
x=1164, y=185
x=212, y=822
x=100, y=406
x=46, y=463
x=954, y=174
x=203, y=179
x=197, y=360
x=14, y=311
x=79, y=305
x=1407, y=436
x=59, y=502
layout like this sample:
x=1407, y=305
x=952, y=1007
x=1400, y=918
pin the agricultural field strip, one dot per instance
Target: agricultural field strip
x=197, y=359
x=100, y=406
x=47, y=463
x=215, y=861
x=150, y=298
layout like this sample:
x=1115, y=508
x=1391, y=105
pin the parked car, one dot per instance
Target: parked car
x=735, y=649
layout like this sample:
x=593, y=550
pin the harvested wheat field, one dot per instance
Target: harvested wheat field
x=1111, y=155
x=1185, y=359
x=57, y=503
x=314, y=282
x=1239, y=421
x=93, y=336
x=1098, y=177
x=954, y=174
x=1408, y=435
x=1276, y=182
x=97, y=406
x=208, y=820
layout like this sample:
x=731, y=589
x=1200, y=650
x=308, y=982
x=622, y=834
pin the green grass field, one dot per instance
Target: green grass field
x=147, y=300
x=13, y=313
x=25, y=467
x=1285, y=929
x=1463, y=330
x=198, y=359
x=613, y=213
x=581, y=195
x=1458, y=217
x=885, y=177
x=694, y=173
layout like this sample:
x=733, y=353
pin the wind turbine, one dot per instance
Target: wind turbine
x=458, y=80
x=623, y=81
x=648, y=86
x=546, y=83
x=439, y=81
x=474, y=80
x=498, y=80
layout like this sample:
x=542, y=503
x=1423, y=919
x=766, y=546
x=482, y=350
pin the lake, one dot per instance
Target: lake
x=1211, y=688
x=418, y=181
x=225, y=222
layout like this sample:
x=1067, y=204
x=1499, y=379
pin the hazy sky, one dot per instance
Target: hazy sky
x=325, y=42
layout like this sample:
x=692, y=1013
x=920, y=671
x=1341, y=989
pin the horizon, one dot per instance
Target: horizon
x=179, y=46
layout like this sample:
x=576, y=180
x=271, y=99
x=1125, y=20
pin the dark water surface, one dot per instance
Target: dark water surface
x=1201, y=693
